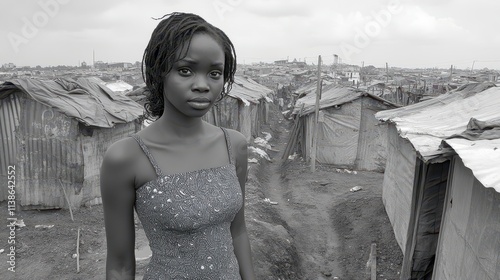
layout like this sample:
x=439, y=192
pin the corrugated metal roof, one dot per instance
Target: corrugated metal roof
x=482, y=157
x=427, y=123
x=88, y=102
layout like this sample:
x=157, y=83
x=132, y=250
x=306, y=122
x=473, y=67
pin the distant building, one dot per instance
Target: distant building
x=281, y=62
x=352, y=77
x=120, y=65
x=100, y=64
x=9, y=65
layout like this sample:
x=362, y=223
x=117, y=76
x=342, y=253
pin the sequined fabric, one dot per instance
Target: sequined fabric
x=187, y=218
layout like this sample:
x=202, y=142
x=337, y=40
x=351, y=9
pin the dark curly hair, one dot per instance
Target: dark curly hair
x=174, y=31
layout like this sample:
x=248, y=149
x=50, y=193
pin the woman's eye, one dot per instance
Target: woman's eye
x=215, y=74
x=184, y=71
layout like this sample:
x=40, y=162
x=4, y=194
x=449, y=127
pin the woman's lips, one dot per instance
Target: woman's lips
x=199, y=103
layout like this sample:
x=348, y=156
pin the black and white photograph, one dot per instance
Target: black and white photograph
x=250, y=140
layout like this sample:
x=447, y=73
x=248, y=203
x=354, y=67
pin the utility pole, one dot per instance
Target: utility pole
x=451, y=72
x=387, y=72
x=361, y=71
x=316, y=118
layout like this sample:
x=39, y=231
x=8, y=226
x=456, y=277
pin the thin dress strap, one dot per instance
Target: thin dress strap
x=228, y=145
x=145, y=149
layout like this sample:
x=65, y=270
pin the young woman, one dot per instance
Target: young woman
x=184, y=176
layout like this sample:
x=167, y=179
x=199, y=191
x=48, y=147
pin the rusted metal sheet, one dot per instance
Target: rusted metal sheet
x=48, y=154
x=9, y=116
x=93, y=149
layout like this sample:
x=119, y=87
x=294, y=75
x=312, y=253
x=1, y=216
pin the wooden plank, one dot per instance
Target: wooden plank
x=373, y=261
x=316, y=116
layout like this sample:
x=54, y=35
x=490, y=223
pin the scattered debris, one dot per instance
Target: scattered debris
x=267, y=136
x=260, y=152
x=44, y=226
x=355, y=189
x=270, y=202
x=19, y=223
x=292, y=157
x=253, y=160
x=346, y=171
x=262, y=143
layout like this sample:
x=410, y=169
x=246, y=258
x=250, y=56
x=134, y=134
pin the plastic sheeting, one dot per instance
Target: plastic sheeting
x=397, y=191
x=482, y=157
x=248, y=90
x=338, y=134
x=84, y=100
x=430, y=210
x=427, y=123
x=469, y=242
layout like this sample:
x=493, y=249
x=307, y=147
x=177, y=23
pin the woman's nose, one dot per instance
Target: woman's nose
x=200, y=84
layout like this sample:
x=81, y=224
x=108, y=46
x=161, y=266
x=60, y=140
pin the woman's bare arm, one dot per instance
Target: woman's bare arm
x=238, y=227
x=118, y=198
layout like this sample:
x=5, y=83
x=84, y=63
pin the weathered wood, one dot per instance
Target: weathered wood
x=67, y=199
x=316, y=116
x=373, y=258
x=78, y=251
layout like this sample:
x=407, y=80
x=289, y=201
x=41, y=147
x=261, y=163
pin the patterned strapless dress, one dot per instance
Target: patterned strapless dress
x=187, y=218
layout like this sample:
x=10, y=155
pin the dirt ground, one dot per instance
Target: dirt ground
x=302, y=225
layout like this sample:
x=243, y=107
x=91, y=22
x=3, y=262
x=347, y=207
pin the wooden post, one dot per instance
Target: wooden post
x=387, y=72
x=316, y=116
x=67, y=199
x=373, y=261
x=451, y=72
x=78, y=251
x=361, y=73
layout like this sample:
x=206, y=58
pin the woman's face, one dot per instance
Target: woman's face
x=195, y=81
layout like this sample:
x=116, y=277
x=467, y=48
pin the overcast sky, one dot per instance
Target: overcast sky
x=404, y=33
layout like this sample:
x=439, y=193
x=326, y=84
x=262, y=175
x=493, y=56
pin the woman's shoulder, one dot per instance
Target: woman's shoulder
x=123, y=151
x=236, y=137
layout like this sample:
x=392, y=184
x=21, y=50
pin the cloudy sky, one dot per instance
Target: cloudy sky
x=404, y=33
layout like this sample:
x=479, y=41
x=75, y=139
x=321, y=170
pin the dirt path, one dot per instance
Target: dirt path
x=332, y=228
x=307, y=215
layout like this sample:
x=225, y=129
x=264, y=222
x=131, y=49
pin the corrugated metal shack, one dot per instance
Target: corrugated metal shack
x=244, y=109
x=349, y=136
x=55, y=132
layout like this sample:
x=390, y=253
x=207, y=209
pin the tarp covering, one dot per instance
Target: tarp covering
x=397, y=190
x=479, y=130
x=482, y=157
x=426, y=123
x=338, y=133
x=331, y=96
x=246, y=89
x=334, y=96
x=348, y=133
x=88, y=102
x=469, y=242
x=119, y=86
